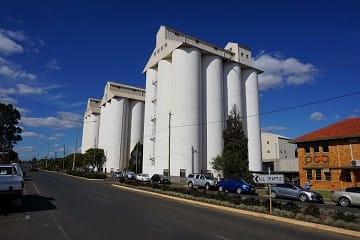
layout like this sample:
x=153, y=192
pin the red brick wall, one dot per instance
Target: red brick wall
x=339, y=155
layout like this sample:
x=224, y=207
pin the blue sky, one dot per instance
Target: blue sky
x=54, y=55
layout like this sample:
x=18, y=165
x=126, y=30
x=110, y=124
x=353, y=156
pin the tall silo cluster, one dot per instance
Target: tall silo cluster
x=191, y=88
x=120, y=124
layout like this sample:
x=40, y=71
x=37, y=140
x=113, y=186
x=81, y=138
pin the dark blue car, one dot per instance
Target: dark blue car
x=236, y=185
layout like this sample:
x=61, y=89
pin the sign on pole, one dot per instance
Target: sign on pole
x=269, y=178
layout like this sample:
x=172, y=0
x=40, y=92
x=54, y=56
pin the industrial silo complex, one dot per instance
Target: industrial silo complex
x=120, y=122
x=191, y=86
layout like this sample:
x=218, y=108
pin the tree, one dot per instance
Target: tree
x=136, y=156
x=233, y=161
x=9, y=131
x=95, y=157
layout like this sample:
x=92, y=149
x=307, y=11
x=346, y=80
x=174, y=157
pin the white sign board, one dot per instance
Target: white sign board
x=269, y=178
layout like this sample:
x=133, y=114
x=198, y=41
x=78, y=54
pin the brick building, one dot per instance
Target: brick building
x=330, y=157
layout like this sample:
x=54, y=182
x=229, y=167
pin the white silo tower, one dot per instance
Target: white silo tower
x=91, y=125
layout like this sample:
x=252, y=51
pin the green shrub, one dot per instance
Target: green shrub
x=346, y=217
x=86, y=174
x=312, y=210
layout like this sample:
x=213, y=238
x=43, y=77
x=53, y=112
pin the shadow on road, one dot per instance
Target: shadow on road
x=31, y=203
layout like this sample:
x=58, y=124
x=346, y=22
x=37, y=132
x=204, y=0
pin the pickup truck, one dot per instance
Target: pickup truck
x=12, y=183
x=201, y=180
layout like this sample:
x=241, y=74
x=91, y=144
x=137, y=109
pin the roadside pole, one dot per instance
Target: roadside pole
x=270, y=199
x=269, y=179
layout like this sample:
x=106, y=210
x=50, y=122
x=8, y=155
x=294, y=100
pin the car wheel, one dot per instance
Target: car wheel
x=238, y=190
x=303, y=198
x=190, y=184
x=221, y=189
x=273, y=194
x=207, y=186
x=344, y=202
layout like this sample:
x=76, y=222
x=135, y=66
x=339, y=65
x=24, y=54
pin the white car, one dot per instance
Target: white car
x=347, y=197
x=144, y=177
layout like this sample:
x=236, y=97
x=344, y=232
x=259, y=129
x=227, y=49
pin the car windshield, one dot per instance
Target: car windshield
x=241, y=180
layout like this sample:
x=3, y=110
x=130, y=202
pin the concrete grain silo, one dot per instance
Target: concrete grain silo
x=191, y=87
x=120, y=124
x=91, y=125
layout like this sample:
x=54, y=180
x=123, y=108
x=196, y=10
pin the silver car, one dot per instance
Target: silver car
x=346, y=197
x=294, y=191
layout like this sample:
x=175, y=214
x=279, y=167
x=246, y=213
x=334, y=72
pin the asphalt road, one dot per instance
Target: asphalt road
x=62, y=207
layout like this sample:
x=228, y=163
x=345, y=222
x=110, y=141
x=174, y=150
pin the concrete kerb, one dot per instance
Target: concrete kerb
x=249, y=213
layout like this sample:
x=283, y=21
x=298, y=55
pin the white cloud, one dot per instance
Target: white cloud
x=48, y=122
x=317, y=116
x=8, y=71
x=280, y=72
x=53, y=122
x=8, y=100
x=53, y=65
x=16, y=35
x=68, y=116
x=25, y=89
x=32, y=135
x=8, y=46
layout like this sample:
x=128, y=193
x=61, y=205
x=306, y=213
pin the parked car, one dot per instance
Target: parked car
x=290, y=190
x=116, y=174
x=144, y=177
x=236, y=185
x=346, y=197
x=12, y=183
x=158, y=178
x=201, y=180
x=129, y=175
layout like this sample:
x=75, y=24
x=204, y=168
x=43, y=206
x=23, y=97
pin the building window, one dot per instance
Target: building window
x=267, y=142
x=307, y=148
x=166, y=172
x=327, y=173
x=268, y=151
x=345, y=175
x=316, y=147
x=325, y=147
x=182, y=173
x=317, y=174
x=309, y=174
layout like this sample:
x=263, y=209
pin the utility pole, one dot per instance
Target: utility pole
x=64, y=158
x=169, y=141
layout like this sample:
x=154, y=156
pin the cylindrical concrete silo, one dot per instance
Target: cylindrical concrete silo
x=115, y=107
x=102, y=143
x=253, y=120
x=84, y=141
x=232, y=77
x=150, y=111
x=90, y=132
x=212, y=75
x=162, y=114
x=185, y=123
x=136, y=123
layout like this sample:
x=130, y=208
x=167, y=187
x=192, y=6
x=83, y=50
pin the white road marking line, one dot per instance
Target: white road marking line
x=59, y=227
x=223, y=238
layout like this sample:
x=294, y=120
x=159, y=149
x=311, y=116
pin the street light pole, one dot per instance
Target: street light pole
x=76, y=141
